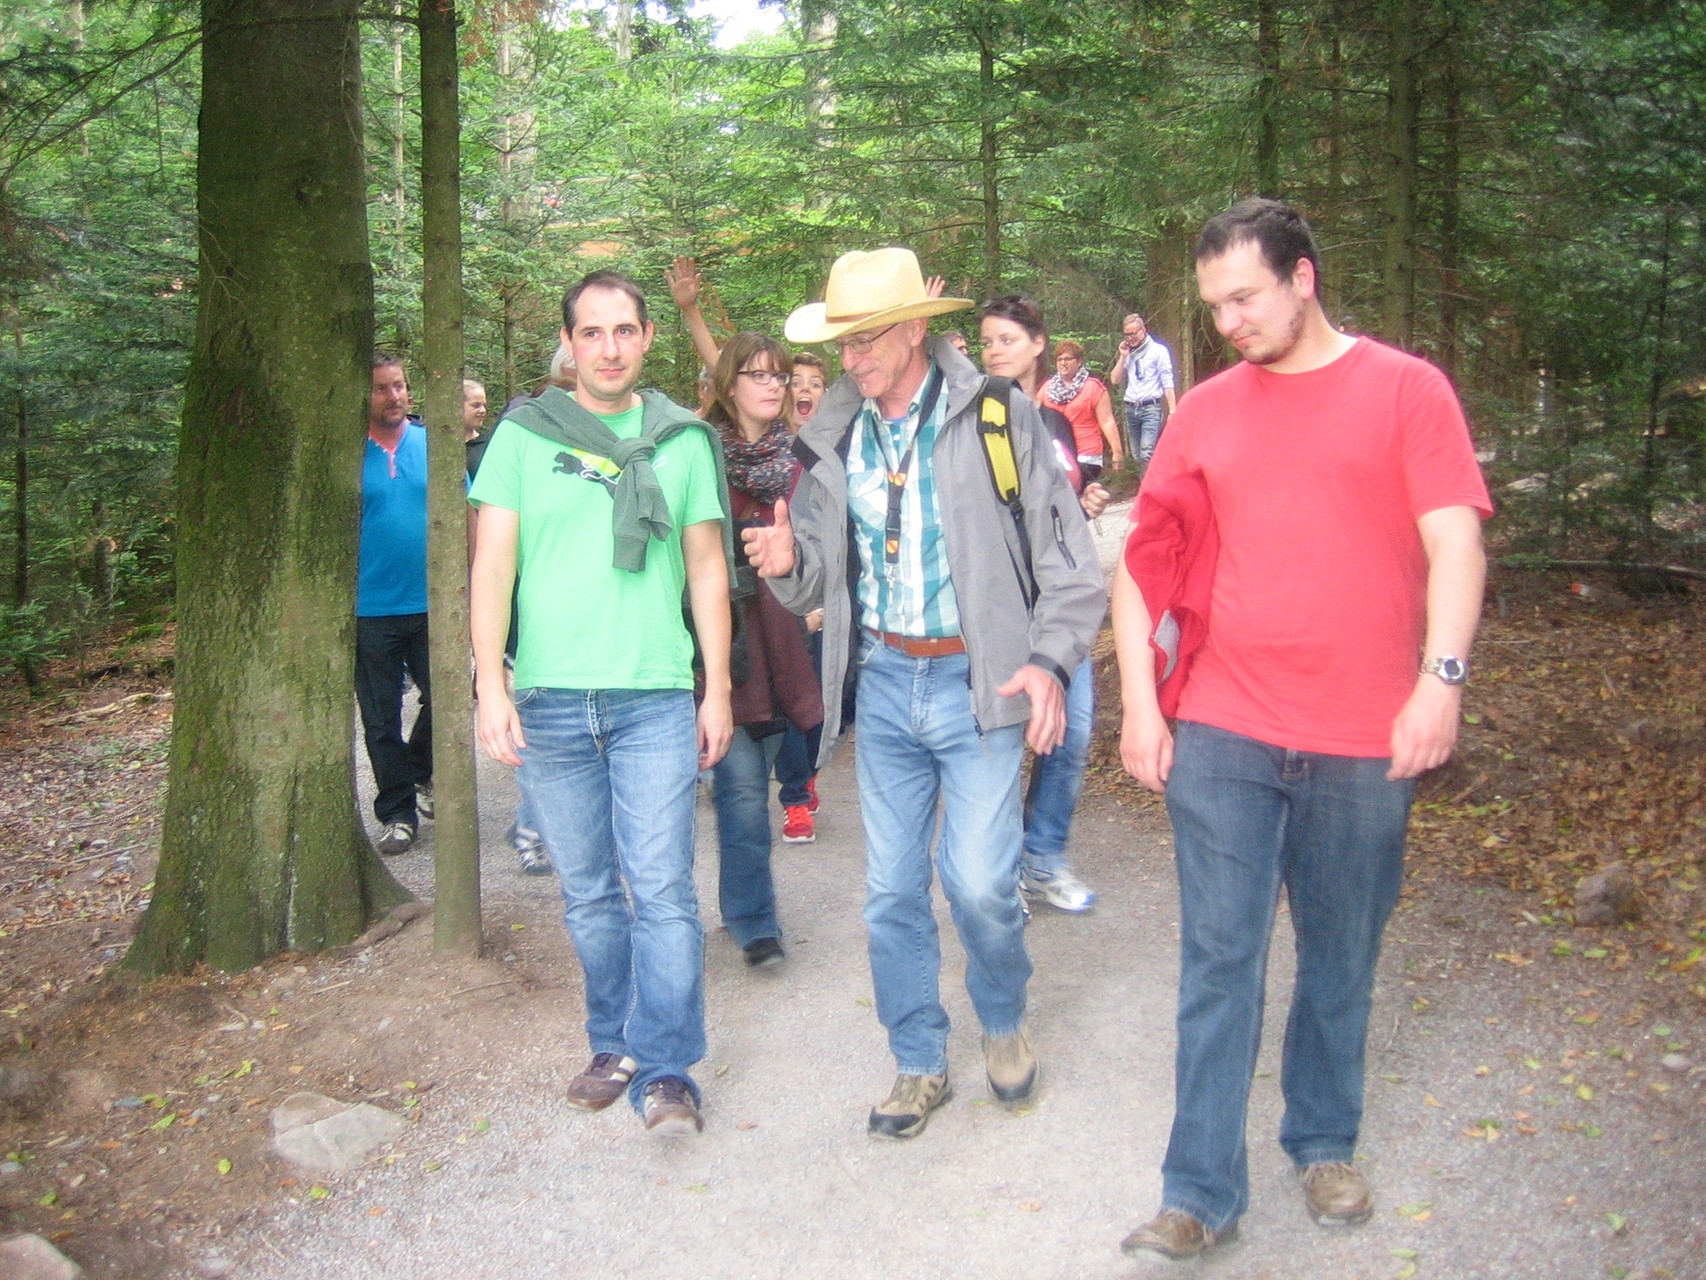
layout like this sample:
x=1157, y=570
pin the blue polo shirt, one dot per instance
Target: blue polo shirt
x=392, y=578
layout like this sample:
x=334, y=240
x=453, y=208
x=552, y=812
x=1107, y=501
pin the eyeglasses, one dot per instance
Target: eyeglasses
x=860, y=343
x=765, y=377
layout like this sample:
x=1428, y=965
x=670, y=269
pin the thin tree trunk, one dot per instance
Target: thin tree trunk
x=1267, y=98
x=1398, y=256
x=21, y=475
x=456, y=913
x=989, y=166
x=261, y=850
x=1450, y=208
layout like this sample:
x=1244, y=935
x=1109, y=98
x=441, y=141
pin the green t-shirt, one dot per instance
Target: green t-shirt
x=584, y=623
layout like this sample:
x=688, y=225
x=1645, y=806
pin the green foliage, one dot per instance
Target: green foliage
x=1058, y=147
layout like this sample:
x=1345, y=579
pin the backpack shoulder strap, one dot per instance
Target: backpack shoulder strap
x=995, y=430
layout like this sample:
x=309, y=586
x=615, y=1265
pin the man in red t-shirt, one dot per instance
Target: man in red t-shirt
x=1347, y=586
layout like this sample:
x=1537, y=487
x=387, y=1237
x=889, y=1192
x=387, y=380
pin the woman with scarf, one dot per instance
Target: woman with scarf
x=1083, y=398
x=776, y=685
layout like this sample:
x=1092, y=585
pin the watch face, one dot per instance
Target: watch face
x=1451, y=670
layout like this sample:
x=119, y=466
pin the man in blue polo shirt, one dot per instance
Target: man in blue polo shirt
x=390, y=608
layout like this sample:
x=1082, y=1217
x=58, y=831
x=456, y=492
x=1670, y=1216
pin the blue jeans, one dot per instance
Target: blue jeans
x=796, y=764
x=1248, y=820
x=1143, y=428
x=746, y=893
x=1058, y=778
x=918, y=742
x=608, y=776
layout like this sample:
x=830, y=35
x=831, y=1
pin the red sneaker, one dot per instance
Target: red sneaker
x=811, y=790
x=797, y=825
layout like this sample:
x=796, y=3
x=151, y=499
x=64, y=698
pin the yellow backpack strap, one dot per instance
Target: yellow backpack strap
x=995, y=430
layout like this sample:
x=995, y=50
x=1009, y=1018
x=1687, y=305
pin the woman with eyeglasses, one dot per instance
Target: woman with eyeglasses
x=1015, y=344
x=1083, y=398
x=776, y=684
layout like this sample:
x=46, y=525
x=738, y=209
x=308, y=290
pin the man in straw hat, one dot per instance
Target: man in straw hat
x=961, y=620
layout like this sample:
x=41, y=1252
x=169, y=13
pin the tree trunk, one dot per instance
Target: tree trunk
x=262, y=851
x=456, y=912
x=989, y=165
x=1267, y=98
x=1398, y=255
x=1450, y=207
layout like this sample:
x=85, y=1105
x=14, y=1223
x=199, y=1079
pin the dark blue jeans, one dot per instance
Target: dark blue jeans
x=386, y=648
x=1249, y=820
x=746, y=892
x=1143, y=428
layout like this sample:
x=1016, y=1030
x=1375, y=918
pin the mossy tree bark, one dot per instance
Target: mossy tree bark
x=262, y=849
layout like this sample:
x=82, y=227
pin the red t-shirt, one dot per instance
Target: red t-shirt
x=1080, y=411
x=1317, y=480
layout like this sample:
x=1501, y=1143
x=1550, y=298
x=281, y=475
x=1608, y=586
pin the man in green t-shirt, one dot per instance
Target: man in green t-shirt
x=601, y=509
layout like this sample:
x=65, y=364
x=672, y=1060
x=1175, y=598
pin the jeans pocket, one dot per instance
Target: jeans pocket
x=869, y=643
x=525, y=696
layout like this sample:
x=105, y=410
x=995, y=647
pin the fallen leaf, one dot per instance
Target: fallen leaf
x=224, y=1166
x=747, y=1124
x=1030, y=1206
x=1428, y=1100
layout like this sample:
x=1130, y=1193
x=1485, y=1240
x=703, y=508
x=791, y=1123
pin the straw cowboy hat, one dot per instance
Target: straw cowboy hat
x=868, y=291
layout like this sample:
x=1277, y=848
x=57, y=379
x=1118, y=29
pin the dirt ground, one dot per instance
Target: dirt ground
x=134, y=1120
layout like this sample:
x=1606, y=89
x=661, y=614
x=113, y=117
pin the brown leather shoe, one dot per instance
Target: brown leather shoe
x=1174, y=1234
x=605, y=1079
x=1337, y=1194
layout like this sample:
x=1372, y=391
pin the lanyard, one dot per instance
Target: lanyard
x=897, y=476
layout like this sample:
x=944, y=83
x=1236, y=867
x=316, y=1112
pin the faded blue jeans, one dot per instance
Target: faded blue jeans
x=1057, y=779
x=1251, y=820
x=746, y=891
x=1143, y=427
x=608, y=777
x=917, y=742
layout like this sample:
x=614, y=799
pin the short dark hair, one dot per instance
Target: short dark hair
x=1273, y=226
x=602, y=280
x=382, y=359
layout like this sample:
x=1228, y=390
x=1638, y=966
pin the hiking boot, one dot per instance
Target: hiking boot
x=1012, y=1066
x=423, y=799
x=398, y=837
x=605, y=1079
x=1060, y=889
x=798, y=826
x=764, y=953
x=1337, y=1194
x=669, y=1110
x=1174, y=1234
x=905, y=1112
x=530, y=848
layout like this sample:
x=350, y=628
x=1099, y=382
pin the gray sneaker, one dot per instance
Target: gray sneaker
x=398, y=837
x=530, y=848
x=1060, y=889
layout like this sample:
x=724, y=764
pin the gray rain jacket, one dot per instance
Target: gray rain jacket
x=985, y=558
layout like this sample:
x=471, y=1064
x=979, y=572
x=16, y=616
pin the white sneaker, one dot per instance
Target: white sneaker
x=1060, y=889
x=398, y=837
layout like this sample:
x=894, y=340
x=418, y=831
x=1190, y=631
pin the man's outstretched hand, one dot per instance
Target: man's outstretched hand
x=770, y=547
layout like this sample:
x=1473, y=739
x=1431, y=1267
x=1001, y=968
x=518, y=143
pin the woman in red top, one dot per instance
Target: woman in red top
x=1083, y=398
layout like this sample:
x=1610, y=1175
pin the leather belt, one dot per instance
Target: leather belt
x=924, y=646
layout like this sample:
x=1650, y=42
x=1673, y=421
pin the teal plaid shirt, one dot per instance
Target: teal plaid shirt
x=913, y=595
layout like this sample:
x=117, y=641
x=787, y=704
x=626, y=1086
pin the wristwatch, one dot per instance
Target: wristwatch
x=1447, y=668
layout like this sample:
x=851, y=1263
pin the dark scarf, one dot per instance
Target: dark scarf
x=762, y=468
x=1059, y=391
